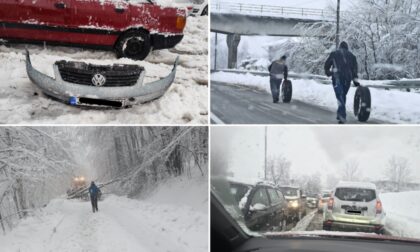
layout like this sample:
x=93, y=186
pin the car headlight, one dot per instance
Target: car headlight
x=294, y=203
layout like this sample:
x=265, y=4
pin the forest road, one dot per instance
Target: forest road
x=121, y=224
x=236, y=104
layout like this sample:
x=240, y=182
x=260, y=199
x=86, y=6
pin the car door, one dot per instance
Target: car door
x=46, y=13
x=276, y=208
x=102, y=15
x=257, y=214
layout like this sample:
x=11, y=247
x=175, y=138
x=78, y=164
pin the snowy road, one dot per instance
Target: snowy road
x=121, y=224
x=241, y=104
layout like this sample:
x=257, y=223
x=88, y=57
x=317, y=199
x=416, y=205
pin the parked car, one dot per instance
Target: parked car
x=194, y=7
x=264, y=208
x=355, y=206
x=296, y=202
x=323, y=200
x=238, y=190
x=131, y=29
x=312, y=200
x=200, y=8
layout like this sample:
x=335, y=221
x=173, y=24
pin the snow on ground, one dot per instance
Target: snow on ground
x=121, y=224
x=402, y=213
x=304, y=222
x=185, y=102
x=183, y=191
x=387, y=105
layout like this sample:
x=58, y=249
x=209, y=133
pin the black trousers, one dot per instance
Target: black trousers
x=94, y=201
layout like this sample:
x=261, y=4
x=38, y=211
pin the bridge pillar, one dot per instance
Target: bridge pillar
x=232, y=43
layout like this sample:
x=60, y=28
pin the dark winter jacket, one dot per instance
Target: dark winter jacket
x=343, y=62
x=277, y=69
x=94, y=190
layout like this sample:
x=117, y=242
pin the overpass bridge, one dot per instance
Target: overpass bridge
x=236, y=19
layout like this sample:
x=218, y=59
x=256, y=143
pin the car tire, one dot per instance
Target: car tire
x=362, y=103
x=205, y=11
x=133, y=44
x=286, y=91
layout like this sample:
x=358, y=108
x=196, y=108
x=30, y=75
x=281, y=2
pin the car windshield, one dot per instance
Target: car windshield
x=355, y=194
x=335, y=190
x=287, y=191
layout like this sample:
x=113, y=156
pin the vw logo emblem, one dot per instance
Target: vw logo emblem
x=98, y=80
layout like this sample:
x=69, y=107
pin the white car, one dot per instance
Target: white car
x=194, y=7
x=354, y=206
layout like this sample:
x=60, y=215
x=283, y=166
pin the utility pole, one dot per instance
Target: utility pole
x=265, y=154
x=337, y=33
x=215, y=53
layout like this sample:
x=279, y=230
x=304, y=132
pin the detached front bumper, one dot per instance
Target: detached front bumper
x=102, y=96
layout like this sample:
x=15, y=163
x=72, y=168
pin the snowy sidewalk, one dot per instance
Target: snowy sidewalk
x=121, y=224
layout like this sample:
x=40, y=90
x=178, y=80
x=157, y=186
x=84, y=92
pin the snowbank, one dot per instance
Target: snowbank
x=185, y=102
x=402, y=213
x=181, y=191
x=387, y=105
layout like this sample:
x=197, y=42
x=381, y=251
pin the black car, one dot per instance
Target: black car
x=265, y=208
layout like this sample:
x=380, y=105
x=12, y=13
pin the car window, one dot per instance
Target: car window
x=290, y=191
x=355, y=194
x=274, y=197
x=259, y=200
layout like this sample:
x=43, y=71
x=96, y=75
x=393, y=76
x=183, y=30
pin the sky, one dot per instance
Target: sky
x=318, y=148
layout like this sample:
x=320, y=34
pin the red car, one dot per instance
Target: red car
x=131, y=29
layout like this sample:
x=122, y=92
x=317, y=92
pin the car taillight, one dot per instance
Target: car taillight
x=330, y=203
x=378, y=207
x=180, y=22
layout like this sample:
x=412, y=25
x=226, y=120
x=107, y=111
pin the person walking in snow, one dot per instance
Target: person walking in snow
x=344, y=70
x=94, y=192
x=278, y=70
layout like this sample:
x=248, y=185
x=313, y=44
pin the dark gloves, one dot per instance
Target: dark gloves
x=356, y=82
x=328, y=73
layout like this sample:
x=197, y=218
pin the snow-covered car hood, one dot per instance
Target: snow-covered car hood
x=335, y=234
x=291, y=197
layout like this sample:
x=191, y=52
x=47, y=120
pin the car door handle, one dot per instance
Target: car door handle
x=60, y=5
x=119, y=10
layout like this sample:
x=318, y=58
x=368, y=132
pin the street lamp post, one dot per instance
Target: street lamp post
x=337, y=33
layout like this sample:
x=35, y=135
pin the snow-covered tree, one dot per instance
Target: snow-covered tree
x=278, y=170
x=383, y=34
x=351, y=171
x=398, y=171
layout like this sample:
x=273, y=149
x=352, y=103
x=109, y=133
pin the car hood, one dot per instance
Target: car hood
x=291, y=197
x=335, y=234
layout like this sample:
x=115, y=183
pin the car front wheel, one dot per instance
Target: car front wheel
x=133, y=44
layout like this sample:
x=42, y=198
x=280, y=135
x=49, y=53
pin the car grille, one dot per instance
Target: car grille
x=115, y=75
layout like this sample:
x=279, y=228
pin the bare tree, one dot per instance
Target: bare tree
x=398, y=171
x=278, y=169
x=351, y=171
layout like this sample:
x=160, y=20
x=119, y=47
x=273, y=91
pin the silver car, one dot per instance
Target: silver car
x=354, y=206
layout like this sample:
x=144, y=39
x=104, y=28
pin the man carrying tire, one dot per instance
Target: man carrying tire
x=278, y=70
x=344, y=70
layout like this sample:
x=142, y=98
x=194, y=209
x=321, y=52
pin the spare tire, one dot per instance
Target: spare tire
x=286, y=91
x=362, y=103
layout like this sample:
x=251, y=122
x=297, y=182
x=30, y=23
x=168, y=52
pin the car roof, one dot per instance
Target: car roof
x=293, y=187
x=353, y=184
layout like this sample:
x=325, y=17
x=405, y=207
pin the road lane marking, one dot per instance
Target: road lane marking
x=216, y=119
